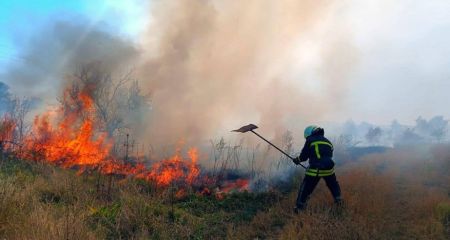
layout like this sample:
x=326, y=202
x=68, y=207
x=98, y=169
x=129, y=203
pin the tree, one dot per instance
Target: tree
x=409, y=138
x=18, y=111
x=14, y=111
x=118, y=101
x=373, y=135
x=435, y=128
x=438, y=127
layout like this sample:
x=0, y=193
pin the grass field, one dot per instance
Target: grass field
x=399, y=194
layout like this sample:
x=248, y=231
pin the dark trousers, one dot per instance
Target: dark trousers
x=310, y=182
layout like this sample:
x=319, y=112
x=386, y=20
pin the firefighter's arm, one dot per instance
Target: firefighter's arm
x=304, y=154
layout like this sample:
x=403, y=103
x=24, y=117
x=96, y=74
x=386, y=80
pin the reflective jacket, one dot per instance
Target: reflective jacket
x=319, y=150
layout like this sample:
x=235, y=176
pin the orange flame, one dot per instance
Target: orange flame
x=7, y=126
x=73, y=142
x=68, y=137
x=238, y=185
x=175, y=169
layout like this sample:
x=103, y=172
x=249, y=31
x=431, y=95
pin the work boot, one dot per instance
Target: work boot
x=299, y=208
x=339, y=202
x=338, y=208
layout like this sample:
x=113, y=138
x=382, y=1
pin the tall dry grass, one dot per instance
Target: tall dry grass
x=400, y=194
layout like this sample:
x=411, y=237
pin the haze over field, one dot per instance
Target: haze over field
x=115, y=119
x=210, y=66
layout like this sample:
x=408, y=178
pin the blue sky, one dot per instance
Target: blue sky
x=19, y=19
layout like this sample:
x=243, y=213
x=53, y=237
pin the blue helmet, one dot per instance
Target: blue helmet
x=309, y=130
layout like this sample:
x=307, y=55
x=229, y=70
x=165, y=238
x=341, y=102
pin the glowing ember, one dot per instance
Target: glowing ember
x=239, y=185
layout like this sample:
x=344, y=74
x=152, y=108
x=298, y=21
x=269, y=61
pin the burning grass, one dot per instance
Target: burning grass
x=71, y=136
x=44, y=202
x=383, y=201
x=76, y=186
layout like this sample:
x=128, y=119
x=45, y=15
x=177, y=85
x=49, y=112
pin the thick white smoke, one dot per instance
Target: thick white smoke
x=214, y=65
x=210, y=66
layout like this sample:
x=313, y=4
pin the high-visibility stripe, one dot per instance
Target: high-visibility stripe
x=321, y=142
x=316, y=147
x=321, y=170
x=319, y=173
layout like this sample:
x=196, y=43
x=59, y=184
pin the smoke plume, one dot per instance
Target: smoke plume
x=215, y=65
x=210, y=66
x=58, y=49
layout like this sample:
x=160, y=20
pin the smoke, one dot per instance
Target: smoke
x=434, y=130
x=5, y=98
x=57, y=49
x=210, y=66
x=215, y=65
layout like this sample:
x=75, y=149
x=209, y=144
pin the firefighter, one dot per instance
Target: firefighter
x=319, y=151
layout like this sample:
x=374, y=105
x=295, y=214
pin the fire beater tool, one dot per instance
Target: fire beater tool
x=251, y=128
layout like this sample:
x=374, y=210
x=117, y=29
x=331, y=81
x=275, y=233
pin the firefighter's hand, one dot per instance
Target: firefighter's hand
x=296, y=160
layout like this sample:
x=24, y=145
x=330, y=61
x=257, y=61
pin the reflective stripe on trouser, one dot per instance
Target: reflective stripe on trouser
x=319, y=172
x=309, y=184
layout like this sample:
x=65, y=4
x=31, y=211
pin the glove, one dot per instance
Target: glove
x=296, y=160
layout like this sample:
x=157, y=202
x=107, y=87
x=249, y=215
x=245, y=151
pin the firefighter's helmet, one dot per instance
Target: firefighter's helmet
x=309, y=130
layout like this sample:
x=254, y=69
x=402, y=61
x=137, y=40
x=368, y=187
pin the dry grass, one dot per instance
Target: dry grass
x=396, y=195
x=388, y=196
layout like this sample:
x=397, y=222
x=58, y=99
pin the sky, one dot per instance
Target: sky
x=405, y=57
x=19, y=19
x=403, y=51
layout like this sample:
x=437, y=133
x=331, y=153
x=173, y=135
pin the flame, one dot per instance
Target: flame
x=7, y=126
x=73, y=142
x=181, y=193
x=175, y=169
x=238, y=185
x=69, y=137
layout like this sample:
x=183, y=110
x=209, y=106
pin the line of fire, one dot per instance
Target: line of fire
x=73, y=136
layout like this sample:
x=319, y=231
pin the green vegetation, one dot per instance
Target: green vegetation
x=395, y=195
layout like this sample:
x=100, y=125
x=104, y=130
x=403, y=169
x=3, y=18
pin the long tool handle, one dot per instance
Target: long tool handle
x=287, y=155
